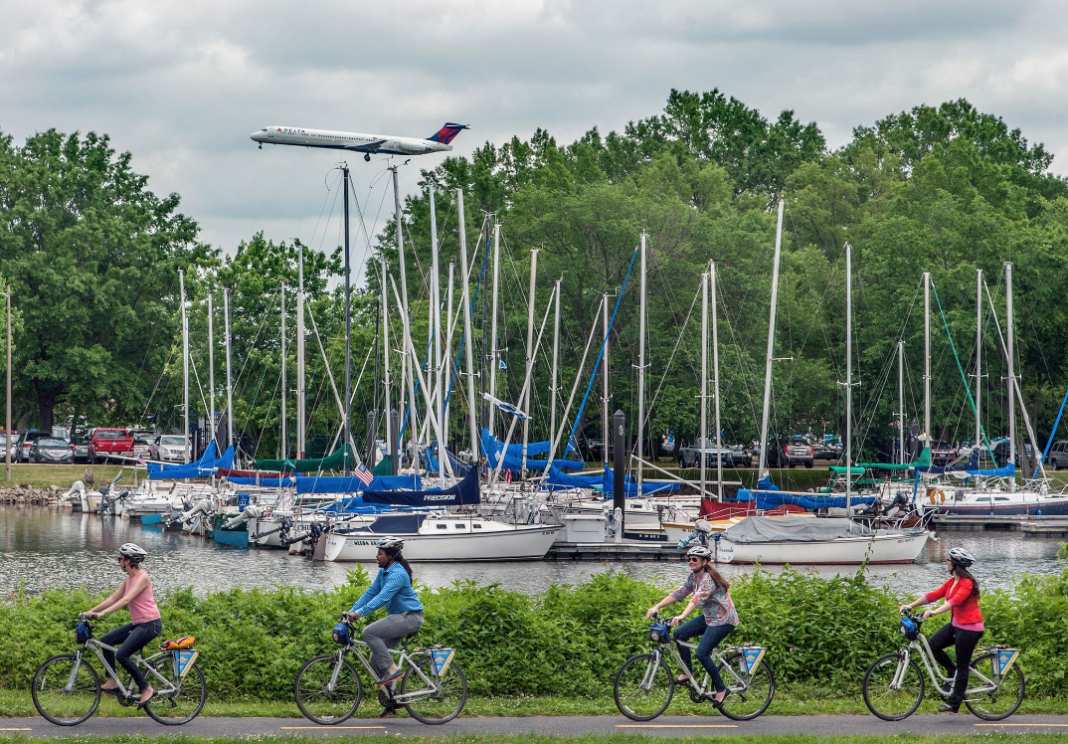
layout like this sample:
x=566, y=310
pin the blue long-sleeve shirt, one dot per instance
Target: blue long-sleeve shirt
x=392, y=588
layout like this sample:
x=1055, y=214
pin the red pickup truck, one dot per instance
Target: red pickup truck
x=104, y=443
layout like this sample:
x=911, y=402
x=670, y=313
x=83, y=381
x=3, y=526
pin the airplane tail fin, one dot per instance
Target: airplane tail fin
x=447, y=133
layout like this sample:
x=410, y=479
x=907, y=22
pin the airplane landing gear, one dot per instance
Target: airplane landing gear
x=261, y=146
x=367, y=157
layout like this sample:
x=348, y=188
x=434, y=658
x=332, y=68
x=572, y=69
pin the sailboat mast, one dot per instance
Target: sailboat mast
x=556, y=364
x=493, y=362
x=530, y=352
x=285, y=392
x=702, y=439
x=229, y=379
x=641, y=367
x=390, y=434
x=849, y=378
x=715, y=382
x=927, y=358
x=1011, y=354
x=347, y=413
x=448, y=371
x=607, y=433
x=185, y=364
x=978, y=359
x=211, y=369
x=435, y=329
x=771, y=346
x=901, y=400
x=300, y=354
x=470, y=339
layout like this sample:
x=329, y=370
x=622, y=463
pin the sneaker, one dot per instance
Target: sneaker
x=391, y=678
x=949, y=708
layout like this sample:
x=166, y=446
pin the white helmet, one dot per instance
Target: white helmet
x=390, y=543
x=961, y=557
x=700, y=551
x=134, y=551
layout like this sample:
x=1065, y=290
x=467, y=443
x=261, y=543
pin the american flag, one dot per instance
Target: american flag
x=364, y=474
x=140, y=459
x=507, y=476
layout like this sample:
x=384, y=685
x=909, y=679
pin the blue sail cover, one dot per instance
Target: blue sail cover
x=432, y=465
x=558, y=480
x=1006, y=471
x=352, y=484
x=464, y=492
x=492, y=448
x=630, y=486
x=269, y=481
x=769, y=496
x=202, y=468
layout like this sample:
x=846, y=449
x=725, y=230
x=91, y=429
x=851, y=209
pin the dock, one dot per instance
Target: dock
x=1031, y=525
x=627, y=550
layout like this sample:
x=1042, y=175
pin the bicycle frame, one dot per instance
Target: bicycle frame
x=98, y=647
x=942, y=683
x=717, y=657
x=354, y=646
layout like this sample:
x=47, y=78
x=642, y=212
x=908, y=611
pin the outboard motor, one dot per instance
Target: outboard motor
x=252, y=511
x=702, y=533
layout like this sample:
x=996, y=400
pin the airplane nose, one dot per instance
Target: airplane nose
x=255, y=136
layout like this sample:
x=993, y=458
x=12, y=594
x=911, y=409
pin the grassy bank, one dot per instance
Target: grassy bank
x=43, y=476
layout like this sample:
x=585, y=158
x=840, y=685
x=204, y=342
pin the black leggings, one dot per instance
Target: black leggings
x=132, y=638
x=965, y=641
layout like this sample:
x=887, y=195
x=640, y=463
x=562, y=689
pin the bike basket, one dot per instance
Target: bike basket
x=341, y=634
x=1004, y=658
x=660, y=632
x=909, y=628
x=82, y=633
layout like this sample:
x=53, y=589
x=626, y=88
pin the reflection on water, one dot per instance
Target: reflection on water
x=46, y=549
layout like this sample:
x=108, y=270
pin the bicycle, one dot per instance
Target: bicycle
x=433, y=689
x=645, y=684
x=894, y=686
x=66, y=688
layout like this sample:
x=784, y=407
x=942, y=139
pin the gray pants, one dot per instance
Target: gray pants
x=384, y=634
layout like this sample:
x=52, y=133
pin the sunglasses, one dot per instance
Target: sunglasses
x=692, y=559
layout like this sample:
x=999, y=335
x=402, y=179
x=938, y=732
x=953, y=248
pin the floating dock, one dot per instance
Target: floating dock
x=1027, y=524
x=627, y=550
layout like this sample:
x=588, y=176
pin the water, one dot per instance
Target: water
x=54, y=549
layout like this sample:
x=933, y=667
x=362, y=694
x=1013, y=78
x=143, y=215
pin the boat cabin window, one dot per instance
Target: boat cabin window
x=442, y=526
x=476, y=526
x=461, y=526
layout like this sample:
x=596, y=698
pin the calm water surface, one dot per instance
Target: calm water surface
x=54, y=549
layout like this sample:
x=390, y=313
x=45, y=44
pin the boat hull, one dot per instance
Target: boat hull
x=882, y=549
x=524, y=543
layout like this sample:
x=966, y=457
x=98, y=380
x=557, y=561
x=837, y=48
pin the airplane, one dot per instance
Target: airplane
x=368, y=144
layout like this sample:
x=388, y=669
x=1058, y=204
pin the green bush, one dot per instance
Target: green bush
x=568, y=641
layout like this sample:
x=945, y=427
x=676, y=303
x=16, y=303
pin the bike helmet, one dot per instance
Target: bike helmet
x=961, y=557
x=390, y=543
x=700, y=551
x=133, y=552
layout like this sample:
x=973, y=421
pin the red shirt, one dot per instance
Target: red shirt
x=958, y=592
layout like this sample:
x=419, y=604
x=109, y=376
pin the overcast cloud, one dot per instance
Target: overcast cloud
x=182, y=84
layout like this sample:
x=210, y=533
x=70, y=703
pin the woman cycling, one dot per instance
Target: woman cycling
x=392, y=588
x=711, y=592
x=961, y=594
x=134, y=593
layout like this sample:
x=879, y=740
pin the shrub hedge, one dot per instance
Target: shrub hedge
x=568, y=641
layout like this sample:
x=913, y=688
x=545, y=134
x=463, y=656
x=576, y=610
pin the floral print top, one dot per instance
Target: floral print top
x=713, y=600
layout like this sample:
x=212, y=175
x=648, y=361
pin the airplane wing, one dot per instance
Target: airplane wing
x=366, y=146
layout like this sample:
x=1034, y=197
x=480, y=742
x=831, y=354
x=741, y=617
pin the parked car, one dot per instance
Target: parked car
x=11, y=441
x=51, y=449
x=690, y=457
x=168, y=448
x=742, y=457
x=61, y=432
x=943, y=453
x=798, y=451
x=80, y=446
x=142, y=445
x=26, y=441
x=110, y=442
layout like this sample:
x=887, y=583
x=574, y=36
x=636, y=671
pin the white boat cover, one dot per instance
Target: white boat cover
x=798, y=529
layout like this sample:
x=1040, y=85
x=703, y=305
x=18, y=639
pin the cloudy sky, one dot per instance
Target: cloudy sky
x=182, y=84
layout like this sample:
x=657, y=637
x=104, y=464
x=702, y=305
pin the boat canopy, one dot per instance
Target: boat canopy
x=352, y=484
x=464, y=492
x=605, y=483
x=794, y=529
x=337, y=460
x=202, y=468
x=768, y=496
x=492, y=447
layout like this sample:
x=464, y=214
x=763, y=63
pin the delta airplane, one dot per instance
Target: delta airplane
x=368, y=144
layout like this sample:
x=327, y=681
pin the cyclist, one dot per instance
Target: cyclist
x=961, y=594
x=392, y=588
x=711, y=592
x=134, y=593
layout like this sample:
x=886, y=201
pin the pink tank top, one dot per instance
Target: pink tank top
x=143, y=607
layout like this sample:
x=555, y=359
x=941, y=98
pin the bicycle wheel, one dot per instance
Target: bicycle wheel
x=323, y=702
x=750, y=694
x=66, y=690
x=1000, y=703
x=185, y=702
x=893, y=703
x=435, y=699
x=643, y=687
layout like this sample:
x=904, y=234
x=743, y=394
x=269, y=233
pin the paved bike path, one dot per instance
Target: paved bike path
x=680, y=726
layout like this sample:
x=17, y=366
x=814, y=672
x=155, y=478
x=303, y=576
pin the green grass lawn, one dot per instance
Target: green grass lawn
x=43, y=476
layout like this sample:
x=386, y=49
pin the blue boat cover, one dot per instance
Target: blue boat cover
x=352, y=484
x=605, y=483
x=202, y=468
x=432, y=462
x=768, y=496
x=285, y=481
x=464, y=492
x=513, y=460
x=630, y=486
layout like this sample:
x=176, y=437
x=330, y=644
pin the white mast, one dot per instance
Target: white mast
x=641, y=367
x=849, y=378
x=556, y=362
x=211, y=370
x=978, y=360
x=771, y=346
x=435, y=329
x=493, y=363
x=607, y=435
x=229, y=379
x=450, y=322
x=285, y=441
x=715, y=382
x=927, y=358
x=470, y=339
x=185, y=364
x=901, y=400
x=386, y=351
x=530, y=352
x=300, y=354
x=702, y=439
x=1009, y=334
